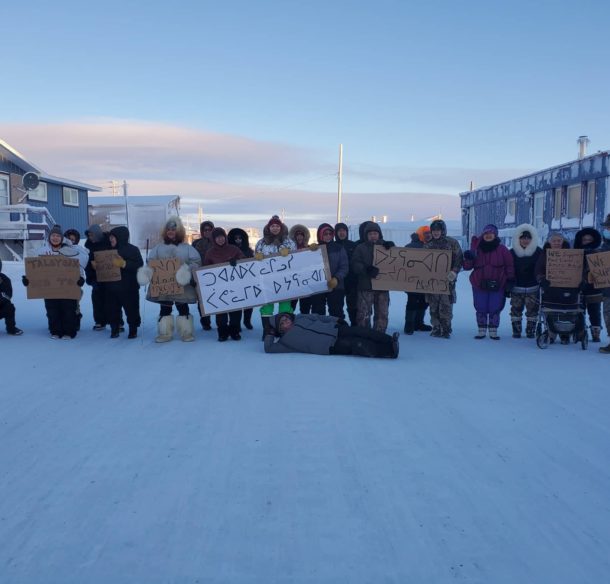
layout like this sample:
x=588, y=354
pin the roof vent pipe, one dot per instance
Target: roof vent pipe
x=583, y=142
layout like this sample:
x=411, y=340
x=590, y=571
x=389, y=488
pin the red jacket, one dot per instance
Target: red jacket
x=219, y=254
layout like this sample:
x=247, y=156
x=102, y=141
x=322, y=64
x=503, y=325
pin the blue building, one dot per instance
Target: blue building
x=27, y=216
x=563, y=198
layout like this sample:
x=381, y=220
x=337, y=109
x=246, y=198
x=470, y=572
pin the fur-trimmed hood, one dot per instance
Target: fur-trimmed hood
x=533, y=244
x=303, y=229
x=278, y=239
x=180, y=231
x=597, y=238
x=245, y=240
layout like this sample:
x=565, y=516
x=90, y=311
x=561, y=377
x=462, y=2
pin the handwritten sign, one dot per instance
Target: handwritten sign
x=412, y=269
x=599, y=268
x=564, y=267
x=163, y=281
x=52, y=277
x=223, y=288
x=105, y=270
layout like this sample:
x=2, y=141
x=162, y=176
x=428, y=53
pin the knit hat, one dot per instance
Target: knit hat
x=491, y=228
x=56, y=229
x=275, y=220
x=171, y=224
x=218, y=231
x=421, y=231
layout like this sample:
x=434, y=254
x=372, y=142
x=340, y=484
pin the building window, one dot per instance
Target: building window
x=70, y=197
x=590, y=197
x=574, y=198
x=4, y=189
x=539, y=210
x=511, y=210
x=39, y=193
x=557, y=203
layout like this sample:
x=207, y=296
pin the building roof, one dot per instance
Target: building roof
x=101, y=200
x=19, y=160
x=530, y=174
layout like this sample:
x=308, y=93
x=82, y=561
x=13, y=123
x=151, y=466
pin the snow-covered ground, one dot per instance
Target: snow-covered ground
x=471, y=461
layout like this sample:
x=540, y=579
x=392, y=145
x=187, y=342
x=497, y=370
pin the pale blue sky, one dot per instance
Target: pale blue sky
x=424, y=95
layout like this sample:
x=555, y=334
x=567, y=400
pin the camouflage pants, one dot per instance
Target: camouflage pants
x=441, y=310
x=607, y=314
x=520, y=300
x=377, y=300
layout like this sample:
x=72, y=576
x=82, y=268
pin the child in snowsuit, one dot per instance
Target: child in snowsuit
x=275, y=240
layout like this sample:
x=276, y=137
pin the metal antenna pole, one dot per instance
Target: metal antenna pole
x=126, y=206
x=340, y=183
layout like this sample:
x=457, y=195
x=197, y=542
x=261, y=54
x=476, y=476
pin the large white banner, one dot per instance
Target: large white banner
x=223, y=288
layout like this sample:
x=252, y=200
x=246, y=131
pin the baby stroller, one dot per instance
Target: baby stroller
x=561, y=315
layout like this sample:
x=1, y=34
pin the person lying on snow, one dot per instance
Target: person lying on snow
x=327, y=335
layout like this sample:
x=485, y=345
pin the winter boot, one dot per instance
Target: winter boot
x=248, y=318
x=14, y=331
x=266, y=320
x=185, y=328
x=419, y=321
x=133, y=332
x=482, y=333
x=395, y=346
x=605, y=349
x=234, y=332
x=114, y=332
x=206, y=323
x=445, y=332
x=517, y=328
x=410, y=321
x=436, y=331
x=493, y=333
x=165, y=327
x=595, y=334
x=223, y=333
x=530, y=329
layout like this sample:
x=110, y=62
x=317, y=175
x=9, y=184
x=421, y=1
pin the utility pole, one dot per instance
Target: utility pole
x=126, y=205
x=340, y=183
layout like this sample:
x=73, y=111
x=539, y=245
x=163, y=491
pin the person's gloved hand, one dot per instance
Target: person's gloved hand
x=25, y=281
x=388, y=244
x=469, y=255
x=545, y=284
x=80, y=282
x=233, y=262
x=333, y=283
x=183, y=275
x=510, y=284
x=284, y=251
x=119, y=262
x=258, y=256
x=372, y=271
x=314, y=246
x=144, y=275
x=451, y=276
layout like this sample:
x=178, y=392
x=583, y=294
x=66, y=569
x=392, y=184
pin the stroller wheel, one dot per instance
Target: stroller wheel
x=542, y=340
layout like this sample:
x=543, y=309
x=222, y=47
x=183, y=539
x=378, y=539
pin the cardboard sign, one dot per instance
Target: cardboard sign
x=564, y=267
x=163, y=281
x=412, y=270
x=53, y=277
x=105, y=270
x=223, y=288
x=599, y=268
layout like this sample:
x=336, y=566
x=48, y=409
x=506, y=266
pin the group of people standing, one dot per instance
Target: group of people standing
x=355, y=314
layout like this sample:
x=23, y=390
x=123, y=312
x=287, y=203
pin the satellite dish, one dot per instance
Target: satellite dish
x=30, y=181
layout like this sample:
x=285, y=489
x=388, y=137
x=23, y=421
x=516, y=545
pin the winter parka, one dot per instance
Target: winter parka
x=492, y=262
x=310, y=333
x=337, y=257
x=525, y=260
x=133, y=260
x=364, y=255
x=270, y=244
